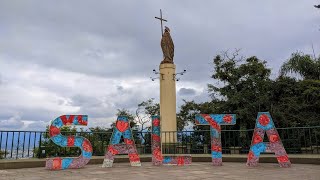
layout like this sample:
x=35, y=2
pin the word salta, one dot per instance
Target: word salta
x=264, y=124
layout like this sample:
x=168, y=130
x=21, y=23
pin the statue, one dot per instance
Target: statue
x=167, y=47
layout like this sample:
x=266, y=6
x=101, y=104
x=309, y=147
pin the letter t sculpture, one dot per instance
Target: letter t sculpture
x=215, y=120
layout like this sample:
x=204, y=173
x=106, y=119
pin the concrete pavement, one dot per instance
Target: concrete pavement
x=198, y=170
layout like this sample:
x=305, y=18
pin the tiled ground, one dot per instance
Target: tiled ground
x=197, y=171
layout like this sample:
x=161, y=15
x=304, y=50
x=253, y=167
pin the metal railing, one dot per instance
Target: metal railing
x=19, y=144
x=37, y=144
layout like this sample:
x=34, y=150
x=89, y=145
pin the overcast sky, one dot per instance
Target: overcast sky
x=94, y=57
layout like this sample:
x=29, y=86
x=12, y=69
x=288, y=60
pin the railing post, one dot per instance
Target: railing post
x=0, y=140
x=5, y=149
x=17, y=152
x=39, y=147
x=12, y=145
x=34, y=143
x=24, y=138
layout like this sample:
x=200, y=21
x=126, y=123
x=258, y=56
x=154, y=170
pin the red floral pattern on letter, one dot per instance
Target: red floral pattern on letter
x=180, y=160
x=112, y=150
x=54, y=131
x=155, y=137
x=274, y=138
x=283, y=158
x=56, y=163
x=128, y=141
x=264, y=120
x=156, y=122
x=67, y=121
x=157, y=154
x=227, y=118
x=250, y=155
x=257, y=139
x=213, y=123
x=70, y=141
x=216, y=148
x=122, y=126
x=134, y=158
x=81, y=121
x=87, y=146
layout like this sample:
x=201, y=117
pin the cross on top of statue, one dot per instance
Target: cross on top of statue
x=161, y=19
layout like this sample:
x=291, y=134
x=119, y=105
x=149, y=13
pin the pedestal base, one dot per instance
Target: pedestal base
x=175, y=148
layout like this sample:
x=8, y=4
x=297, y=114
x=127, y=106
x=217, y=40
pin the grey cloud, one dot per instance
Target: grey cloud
x=30, y=114
x=81, y=100
x=120, y=88
x=110, y=48
x=37, y=126
x=12, y=123
x=201, y=97
x=130, y=103
x=186, y=92
x=93, y=106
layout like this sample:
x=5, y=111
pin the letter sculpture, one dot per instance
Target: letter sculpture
x=122, y=128
x=84, y=144
x=264, y=123
x=215, y=120
x=157, y=158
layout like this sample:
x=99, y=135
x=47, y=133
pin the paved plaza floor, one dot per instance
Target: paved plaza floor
x=197, y=170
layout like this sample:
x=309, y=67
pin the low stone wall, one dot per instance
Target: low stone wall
x=295, y=159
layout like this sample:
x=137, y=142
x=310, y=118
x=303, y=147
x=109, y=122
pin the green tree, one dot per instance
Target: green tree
x=243, y=87
x=2, y=154
x=306, y=66
x=246, y=87
x=99, y=138
x=295, y=103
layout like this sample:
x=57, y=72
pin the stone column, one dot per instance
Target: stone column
x=168, y=103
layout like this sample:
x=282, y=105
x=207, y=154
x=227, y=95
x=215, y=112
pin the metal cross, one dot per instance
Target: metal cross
x=161, y=19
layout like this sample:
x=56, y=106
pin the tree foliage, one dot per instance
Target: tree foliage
x=295, y=103
x=243, y=86
x=306, y=66
x=2, y=154
x=246, y=87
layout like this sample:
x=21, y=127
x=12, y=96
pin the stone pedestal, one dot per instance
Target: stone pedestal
x=168, y=103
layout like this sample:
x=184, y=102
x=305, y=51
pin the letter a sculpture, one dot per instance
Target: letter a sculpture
x=264, y=123
x=122, y=128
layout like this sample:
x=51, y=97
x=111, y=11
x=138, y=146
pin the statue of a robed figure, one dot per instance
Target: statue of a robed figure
x=167, y=47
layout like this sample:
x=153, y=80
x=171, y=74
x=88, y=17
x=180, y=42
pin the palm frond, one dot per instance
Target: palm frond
x=303, y=65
